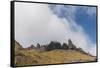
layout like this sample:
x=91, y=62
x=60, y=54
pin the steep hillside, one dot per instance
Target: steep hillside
x=17, y=46
x=33, y=56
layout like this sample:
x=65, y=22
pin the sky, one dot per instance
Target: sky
x=43, y=23
x=85, y=16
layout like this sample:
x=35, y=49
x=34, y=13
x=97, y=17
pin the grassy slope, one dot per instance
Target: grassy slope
x=34, y=57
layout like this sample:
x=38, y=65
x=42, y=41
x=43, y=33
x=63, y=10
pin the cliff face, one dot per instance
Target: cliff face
x=56, y=54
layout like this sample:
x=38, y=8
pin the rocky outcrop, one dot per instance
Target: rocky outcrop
x=71, y=45
x=65, y=46
x=50, y=53
x=53, y=45
x=56, y=45
x=31, y=47
x=38, y=45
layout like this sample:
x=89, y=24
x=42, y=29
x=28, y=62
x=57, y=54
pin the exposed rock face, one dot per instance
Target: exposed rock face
x=53, y=45
x=51, y=53
x=65, y=46
x=38, y=45
x=31, y=47
x=71, y=45
x=56, y=45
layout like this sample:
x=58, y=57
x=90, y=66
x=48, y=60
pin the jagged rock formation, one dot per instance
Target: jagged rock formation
x=38, y=45
x=51, y=53
x=31, y=47
x=56, y=45
x=65, y=46
x=53, y=45
x=71, y=45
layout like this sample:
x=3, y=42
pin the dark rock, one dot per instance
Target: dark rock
x=38, y=45
x=31, y=47
x=71, y=45
x=53, y=45
x=65, y=46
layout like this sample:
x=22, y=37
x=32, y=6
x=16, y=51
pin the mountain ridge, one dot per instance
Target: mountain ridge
x=57, y=54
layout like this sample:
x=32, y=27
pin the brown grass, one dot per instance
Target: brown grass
x=35, y=57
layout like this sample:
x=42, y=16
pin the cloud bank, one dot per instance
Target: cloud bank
x=35, y=23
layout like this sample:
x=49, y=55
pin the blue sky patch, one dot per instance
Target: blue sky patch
x=83, y=15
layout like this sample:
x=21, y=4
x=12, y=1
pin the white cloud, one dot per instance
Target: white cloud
x=35, y=23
